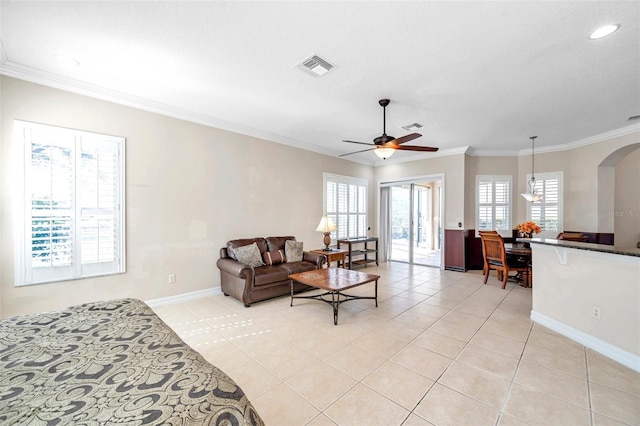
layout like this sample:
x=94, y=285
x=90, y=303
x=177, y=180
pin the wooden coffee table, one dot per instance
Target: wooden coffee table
x=334, y=280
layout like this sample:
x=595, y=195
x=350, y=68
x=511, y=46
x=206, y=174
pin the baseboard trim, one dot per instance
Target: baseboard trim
x=607, y=349
x=184, y=297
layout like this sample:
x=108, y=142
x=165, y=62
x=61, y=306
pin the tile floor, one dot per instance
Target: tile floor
x=441, y=349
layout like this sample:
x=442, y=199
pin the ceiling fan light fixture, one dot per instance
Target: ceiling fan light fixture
x=384, y=153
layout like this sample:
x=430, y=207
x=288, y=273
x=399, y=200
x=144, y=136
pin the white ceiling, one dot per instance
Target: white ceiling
x=486, y=75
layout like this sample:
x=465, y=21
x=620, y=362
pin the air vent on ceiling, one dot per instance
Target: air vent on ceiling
x=634, y=117
x=412, y=127
x=316, y=66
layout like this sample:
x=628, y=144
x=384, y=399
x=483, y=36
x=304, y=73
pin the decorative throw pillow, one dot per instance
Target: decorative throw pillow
x=249, y=255
x=293, y=250
x=275, y=257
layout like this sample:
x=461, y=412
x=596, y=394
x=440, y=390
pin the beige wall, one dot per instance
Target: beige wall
x=580, y=175
x=581, y=184
x=627, y=200
x=190, y=188
x=453, y=169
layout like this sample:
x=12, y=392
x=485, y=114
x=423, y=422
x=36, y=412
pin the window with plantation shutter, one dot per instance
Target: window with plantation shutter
x=493, y=204
x=345, y=202
x=547, y=212
x=71, y=204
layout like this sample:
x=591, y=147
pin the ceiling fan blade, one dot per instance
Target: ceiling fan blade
x=361, y=143
x=415, y=148
x=356, y=152
x=407, y=138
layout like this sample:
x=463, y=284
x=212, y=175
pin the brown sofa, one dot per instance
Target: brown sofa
x=249, y=284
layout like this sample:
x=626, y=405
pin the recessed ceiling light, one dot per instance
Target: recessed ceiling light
x=67, y=61
x=604, y=31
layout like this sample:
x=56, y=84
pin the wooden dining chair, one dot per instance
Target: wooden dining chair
x=496, y=258
x=481, y=233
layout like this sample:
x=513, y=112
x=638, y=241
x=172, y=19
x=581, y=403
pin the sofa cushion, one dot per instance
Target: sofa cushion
x=277, y=243
x=297, y=267
x=275, y=257
x=270, y=274
x=293, y=251
x=249, y=255
x=233, y=244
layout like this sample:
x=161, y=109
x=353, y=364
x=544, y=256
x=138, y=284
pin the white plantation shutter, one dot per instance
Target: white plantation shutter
x=493, y=204
x=345, y=202
x=73, y=191
x=548, y=212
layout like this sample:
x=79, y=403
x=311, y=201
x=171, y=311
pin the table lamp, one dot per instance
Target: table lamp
x=326, y=226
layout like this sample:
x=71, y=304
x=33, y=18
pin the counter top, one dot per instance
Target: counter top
x=603, y=248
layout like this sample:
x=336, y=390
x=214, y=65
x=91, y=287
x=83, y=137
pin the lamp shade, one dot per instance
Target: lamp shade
x=533, y=197
x=384, y=153
x=326, y=225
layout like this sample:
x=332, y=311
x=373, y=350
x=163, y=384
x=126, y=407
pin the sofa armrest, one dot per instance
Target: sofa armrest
x=318, y=259
x=234, y=268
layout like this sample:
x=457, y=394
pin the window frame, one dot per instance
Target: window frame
x=505, y=232
x=359, y=218
x=540, y=187
x=25, y=273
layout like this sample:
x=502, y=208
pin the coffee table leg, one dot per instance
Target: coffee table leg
x=335, y=303
x=376, y=293
x=291, y=293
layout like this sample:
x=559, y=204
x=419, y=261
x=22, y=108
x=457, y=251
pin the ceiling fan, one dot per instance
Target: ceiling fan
x=386, y=145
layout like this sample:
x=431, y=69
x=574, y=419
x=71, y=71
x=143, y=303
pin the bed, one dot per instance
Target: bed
x=110, y=362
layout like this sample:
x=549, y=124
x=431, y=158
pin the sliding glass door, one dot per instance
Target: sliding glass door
x=415, y=227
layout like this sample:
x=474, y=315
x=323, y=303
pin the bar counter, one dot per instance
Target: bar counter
x=589, y=293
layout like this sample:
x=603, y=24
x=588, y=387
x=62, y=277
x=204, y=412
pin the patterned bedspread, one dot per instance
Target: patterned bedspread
x=112, y=362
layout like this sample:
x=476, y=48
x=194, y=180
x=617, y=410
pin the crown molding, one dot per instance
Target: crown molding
x=56, y=81
x=32, y=75
x=557, y=148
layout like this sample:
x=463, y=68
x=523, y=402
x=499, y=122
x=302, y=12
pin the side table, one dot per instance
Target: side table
x=335, y=255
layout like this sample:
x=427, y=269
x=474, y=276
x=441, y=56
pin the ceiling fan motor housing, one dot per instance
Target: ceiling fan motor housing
x=381, y=140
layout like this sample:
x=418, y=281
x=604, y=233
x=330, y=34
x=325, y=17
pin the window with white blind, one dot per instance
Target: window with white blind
x=493, y=204
x=547, y=212
x=70, y=218
x=345, y=202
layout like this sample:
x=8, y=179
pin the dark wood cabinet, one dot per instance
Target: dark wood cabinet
x=463, y=250
x=455, y=243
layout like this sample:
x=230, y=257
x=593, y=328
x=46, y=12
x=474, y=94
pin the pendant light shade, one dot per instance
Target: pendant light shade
x=531, y=195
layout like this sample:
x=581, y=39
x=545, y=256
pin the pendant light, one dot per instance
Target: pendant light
x=531, y=195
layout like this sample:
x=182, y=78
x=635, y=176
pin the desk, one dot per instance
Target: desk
x=524, y=254
x=335, y=255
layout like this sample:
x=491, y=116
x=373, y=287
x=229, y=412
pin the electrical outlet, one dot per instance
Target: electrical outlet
x=595, y=311
x=172, y=279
